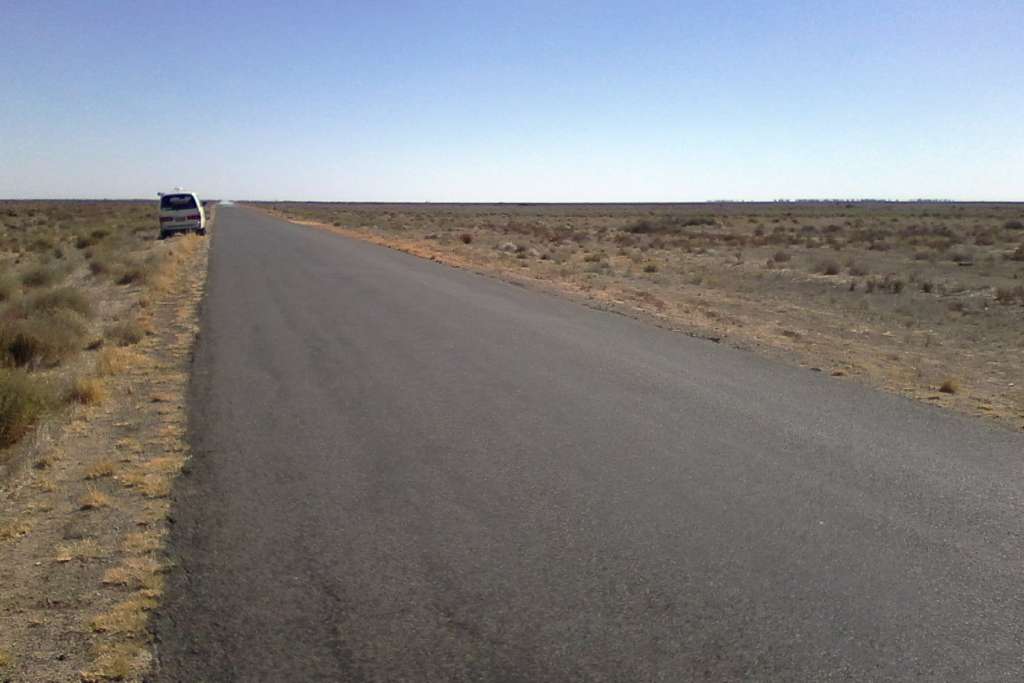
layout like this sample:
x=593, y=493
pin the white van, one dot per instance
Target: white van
x=181, y=212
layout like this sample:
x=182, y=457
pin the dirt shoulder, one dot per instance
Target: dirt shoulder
x=85, y=492
x=925, y=300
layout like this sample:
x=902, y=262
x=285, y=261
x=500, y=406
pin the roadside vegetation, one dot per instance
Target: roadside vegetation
x=96, y=320
x=925, y=299
x=61, y=262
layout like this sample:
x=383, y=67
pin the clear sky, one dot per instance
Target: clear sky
x=513, y=101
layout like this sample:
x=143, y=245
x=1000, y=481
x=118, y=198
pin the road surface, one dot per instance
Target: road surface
x=404, y=471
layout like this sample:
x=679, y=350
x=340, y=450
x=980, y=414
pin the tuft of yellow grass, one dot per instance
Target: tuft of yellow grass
x=5, y=659
x=94, y=499
x=151, y=485
x=86, y=390
x=98, y=470
x=117, y=661
x=15, y=529
x=128, y=617
x=136, y=573
x=168, y=464
x=113, y=360
x=141, y=542
x=86, y=549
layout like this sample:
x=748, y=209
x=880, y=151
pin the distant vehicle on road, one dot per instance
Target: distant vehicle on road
x=181, y=212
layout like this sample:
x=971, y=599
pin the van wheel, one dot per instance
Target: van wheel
x=163, y=235
x=201, y=232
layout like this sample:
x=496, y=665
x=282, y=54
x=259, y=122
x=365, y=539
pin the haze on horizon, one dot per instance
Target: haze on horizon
x=583, y=101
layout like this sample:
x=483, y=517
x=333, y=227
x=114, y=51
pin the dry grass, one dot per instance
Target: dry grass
x=136, y=573
x=141, y=542
x=150, y=484
x=45, y=320
x=128, y=617
x=117, y=661
x=101, y=469
x=15, y=529
x=23, y=401
x=126, y=333
x=5, y=659
x=85, y=549
x=86, y=391
x=115, y=360
x=93, y=499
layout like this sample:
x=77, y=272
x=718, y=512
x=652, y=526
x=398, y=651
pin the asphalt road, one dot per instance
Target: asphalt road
x=404, y=471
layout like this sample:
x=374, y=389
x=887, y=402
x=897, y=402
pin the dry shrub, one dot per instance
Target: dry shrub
x=100, y=266
x=86, y=390
x=949, y=386
x=23, y=401
x=125, y=333
x=114, y=361
x=41, y=276
x=857, y=269
x=890, y=283
x=781, y=256
x=828, y=267
x=44, y=328
x=131, y=273
x=8, y=288
x=1010, y=295
x=93, y=499
x=61, y=299
x=466, y=238
x=98, y=470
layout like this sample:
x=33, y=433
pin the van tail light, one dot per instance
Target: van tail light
x=166, y=219
x=192, y=217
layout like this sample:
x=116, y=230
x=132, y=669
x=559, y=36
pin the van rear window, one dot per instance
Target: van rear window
x=177, y=202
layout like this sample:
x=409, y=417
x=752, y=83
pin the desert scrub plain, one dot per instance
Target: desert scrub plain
x=922, y=298
x=97, y=318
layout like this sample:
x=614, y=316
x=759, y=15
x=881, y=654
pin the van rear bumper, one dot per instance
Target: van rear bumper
x=181, y=227
x=173, y=229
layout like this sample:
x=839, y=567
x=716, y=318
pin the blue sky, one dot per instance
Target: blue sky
x=513, y=101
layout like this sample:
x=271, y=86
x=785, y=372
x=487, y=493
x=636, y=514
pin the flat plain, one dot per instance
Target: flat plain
x=925, y=299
